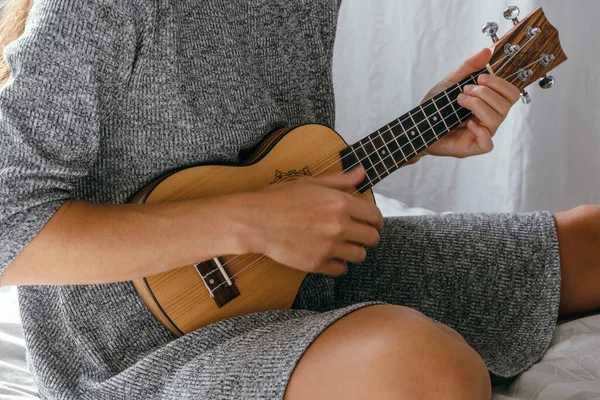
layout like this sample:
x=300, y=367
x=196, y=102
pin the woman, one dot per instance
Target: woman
x=104, y=96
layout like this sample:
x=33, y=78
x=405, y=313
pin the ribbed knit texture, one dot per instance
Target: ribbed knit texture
x=106, y=95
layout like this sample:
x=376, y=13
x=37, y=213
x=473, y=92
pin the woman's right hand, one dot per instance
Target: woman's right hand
x=311, y=224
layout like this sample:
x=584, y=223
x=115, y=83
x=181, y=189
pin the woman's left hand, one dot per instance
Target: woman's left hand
x=490, y=101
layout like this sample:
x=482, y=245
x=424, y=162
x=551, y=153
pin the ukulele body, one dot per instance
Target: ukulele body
x=181, y=298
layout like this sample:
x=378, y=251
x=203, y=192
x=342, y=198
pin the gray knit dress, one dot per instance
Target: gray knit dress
x=106, y=95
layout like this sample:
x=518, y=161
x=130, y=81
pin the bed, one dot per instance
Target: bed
x=569, y=370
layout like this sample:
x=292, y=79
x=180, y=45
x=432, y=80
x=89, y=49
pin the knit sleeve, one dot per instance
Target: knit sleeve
x=69, y=69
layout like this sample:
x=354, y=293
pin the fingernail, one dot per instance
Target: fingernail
x=469, y=89
x=483, y=78
x=462, y=97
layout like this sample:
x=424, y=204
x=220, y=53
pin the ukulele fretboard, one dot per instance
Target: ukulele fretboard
x=392, y=146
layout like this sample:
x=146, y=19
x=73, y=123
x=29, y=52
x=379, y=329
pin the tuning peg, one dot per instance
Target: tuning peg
x=547, y=59
x=526, y=97
x=512, y=13
x=524, y=74
x=533, y=32
x=491, y=29
x=547, y=82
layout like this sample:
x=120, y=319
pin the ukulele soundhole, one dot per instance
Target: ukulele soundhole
x=217, y=280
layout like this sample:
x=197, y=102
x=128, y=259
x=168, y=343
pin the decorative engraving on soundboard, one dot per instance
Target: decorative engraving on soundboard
x=291, y=174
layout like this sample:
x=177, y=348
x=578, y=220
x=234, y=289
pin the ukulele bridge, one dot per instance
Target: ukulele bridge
x=217, y=280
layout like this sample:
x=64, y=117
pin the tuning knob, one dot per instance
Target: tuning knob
x=547, y=82
x=512, y=13
x=491, y=29
x=526, y=97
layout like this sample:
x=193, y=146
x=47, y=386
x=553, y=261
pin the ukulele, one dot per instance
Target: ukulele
x=194, y=296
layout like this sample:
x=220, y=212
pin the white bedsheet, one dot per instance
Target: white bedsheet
x=569, y=370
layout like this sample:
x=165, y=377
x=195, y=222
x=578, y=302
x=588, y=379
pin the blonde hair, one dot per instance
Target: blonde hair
x=12, y=24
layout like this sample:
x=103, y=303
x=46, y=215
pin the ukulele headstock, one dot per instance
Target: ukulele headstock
x=528, y=52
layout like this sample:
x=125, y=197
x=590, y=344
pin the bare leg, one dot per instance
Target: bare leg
x=389, y=352
x=394, y=352
x=579, y=246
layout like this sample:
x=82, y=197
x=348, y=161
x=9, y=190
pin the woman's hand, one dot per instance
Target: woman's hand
x=311, y=224
x=490, y=102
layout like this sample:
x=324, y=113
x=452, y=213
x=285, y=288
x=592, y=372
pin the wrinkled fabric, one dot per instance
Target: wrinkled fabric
x=105, y=96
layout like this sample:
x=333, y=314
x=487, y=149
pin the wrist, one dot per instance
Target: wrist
x=240, y=223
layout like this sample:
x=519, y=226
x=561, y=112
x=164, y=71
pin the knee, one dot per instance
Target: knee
x=404, y=355
x=428, y=360
x=579, y=229
x=588, y=214
x=588, y=210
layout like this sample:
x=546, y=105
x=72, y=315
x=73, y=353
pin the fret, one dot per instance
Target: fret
x=437, y=120
x=394, y=147
x=450, y=101
x=377, y=143
x=428, y=133
x=403, y=139
x=354, y=162
x=363, y=156
x=463, y=113
x=377, y=150
x=408, y=131
x=448, y=114
x=430, y=122
x=400, y=147
x=387, y=149
x=384, y=152
x=417, y=139
x=374, y=158
x=350, y=159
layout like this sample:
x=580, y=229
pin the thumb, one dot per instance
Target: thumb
x=345, y=181
x=472, y=64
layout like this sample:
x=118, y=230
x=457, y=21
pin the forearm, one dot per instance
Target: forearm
x=85, y=243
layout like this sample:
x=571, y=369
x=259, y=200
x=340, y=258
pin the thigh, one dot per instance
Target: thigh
x=493, y=278
x=389, y=352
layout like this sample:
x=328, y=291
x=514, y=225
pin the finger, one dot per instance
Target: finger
x=417, y=158
x=333, y=268
x=506, y=89
x=500, y=104
x=363, y=211
x=472, y=64
x=347, y=181
x=486, y=114
x=483, y=137
x=362, y=234
x=350, y=252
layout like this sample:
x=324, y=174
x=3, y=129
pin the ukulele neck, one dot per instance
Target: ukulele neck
x=395, y=144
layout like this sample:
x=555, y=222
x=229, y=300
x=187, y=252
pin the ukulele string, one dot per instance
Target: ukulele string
x=390, y=129
x=515, y=54
x=407, y=146
x=449, y=129
x=398, y=122
x=385, y=144
x=263, y=256
x=451, y=91
x=401, y=149
x=524, y=68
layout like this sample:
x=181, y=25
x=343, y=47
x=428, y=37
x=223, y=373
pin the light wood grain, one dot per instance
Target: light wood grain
x=179, y=299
